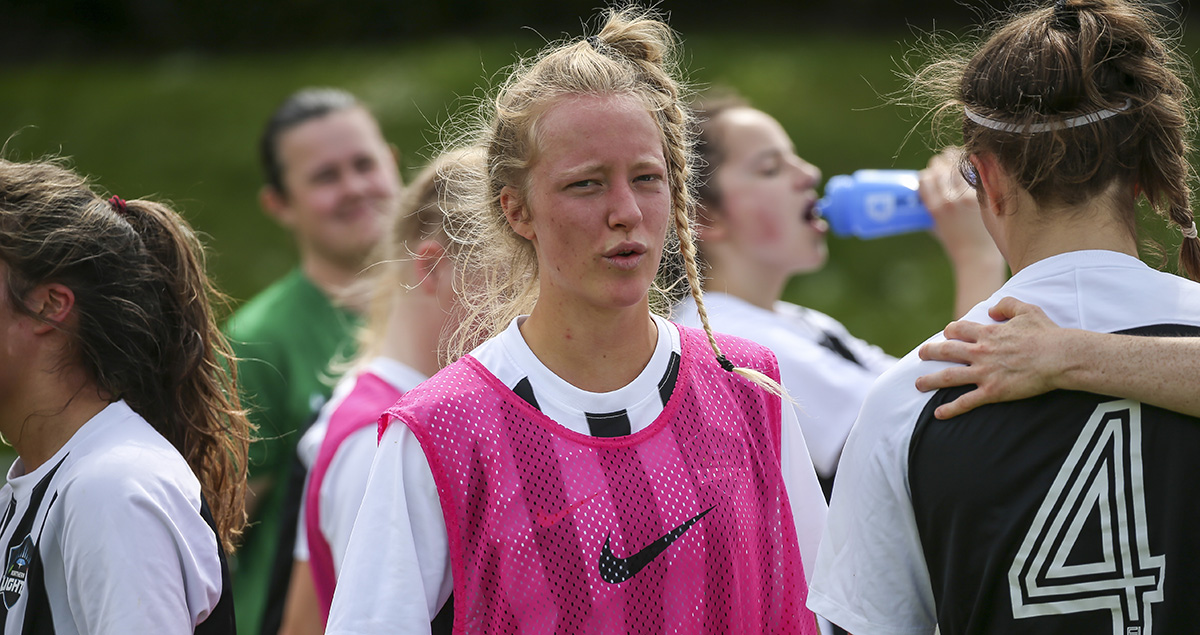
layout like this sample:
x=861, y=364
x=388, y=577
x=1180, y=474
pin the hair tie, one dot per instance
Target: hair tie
x=1034, y=128
x=118, y=205
x=725, y=363
x=1190, y=230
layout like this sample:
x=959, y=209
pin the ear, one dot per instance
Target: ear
x=516, y=212
x=395, y=150
x=275, y=204
x=52, y=303
x=427, y=258
x=993, y=183
x=710, y=224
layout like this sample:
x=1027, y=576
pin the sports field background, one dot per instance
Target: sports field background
x=184, y=127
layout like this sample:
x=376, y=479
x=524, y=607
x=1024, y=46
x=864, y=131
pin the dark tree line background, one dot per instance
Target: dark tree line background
x=41, y=29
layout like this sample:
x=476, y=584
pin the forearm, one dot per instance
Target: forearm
x=1160, y=371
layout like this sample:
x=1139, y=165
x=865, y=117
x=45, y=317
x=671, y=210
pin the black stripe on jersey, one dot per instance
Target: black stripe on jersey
x=288, y=524
x=8, y=514
x=38, y=620
x=615, y=423
x=220, y=621
x=633, y=497
x=831, y=341
x=22, y=531
x=1163, y=330
x=666, y=385
x=535, y=459
x=443, y=622
x=609, y=424
x=524, y=390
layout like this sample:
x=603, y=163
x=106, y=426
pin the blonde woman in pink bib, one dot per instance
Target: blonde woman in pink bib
x=590, y=467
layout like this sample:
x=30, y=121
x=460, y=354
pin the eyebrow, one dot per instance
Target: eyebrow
x=770, y=153
x=596, y=166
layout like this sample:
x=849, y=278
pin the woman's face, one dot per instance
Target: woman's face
x=767, y=194
x=596, y=203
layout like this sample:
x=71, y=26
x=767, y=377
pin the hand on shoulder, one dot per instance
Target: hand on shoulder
x=1018, y=358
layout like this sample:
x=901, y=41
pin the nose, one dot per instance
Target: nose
x=357, y=183
x=624, y=212
x=807, y=174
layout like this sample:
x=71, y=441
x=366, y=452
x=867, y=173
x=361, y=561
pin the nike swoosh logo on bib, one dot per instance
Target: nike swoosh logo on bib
x=614, y=570
x=549, y=520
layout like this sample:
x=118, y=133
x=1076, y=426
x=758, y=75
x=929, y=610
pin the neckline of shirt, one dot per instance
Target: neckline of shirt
x=550, y=387
x=1073, y=260
x=112, y=414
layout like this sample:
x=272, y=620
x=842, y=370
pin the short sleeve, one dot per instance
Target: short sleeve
x=137, y=557
x=871, y=576
x=343, y=488
x=804, y=491
x=397, y=547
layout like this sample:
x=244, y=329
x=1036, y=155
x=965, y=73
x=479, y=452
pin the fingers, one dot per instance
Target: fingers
x=946, y=378
x=1010, y=307
x=963, y=404
x=946, y=351
x=963, y=330
x=930, y=189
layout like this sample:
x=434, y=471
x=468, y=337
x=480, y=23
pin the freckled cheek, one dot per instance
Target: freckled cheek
x=767, y=226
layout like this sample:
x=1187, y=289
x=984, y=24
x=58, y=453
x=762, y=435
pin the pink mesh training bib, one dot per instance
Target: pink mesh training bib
x=683, y=527
x=370, y=396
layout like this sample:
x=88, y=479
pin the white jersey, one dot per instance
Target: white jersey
x=342, y=488
x=107, y=536
x=827, y=370
x=399, y=543
x=984, y=519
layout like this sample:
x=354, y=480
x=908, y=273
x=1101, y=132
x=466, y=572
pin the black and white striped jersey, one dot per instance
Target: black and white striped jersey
x=611, y=414
x=111, y=535
x=1065, y=513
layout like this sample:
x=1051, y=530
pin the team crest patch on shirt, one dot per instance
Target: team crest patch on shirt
x=16, y=570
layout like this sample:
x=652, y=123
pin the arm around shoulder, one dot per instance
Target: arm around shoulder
x=1027, y=355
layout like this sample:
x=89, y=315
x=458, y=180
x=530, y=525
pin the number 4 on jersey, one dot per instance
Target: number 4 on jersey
x=1098, y=489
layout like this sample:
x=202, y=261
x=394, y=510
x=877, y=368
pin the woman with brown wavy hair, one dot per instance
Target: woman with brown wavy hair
x=1068, y=512
x=128, y=489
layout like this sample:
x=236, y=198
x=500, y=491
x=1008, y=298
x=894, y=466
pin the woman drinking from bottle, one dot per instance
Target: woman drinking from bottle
x=759, y=227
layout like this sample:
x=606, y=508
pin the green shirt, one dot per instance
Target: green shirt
x=284, y=338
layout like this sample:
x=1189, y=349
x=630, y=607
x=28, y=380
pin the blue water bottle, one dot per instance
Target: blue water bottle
x=874, y=203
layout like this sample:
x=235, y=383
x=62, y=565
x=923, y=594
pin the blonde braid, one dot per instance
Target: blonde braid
x=687, y=247
x=629, y=38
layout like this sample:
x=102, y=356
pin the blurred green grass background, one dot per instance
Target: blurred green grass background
x=184, y=128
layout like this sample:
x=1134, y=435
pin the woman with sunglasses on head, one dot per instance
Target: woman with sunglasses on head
x=1070, y=512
